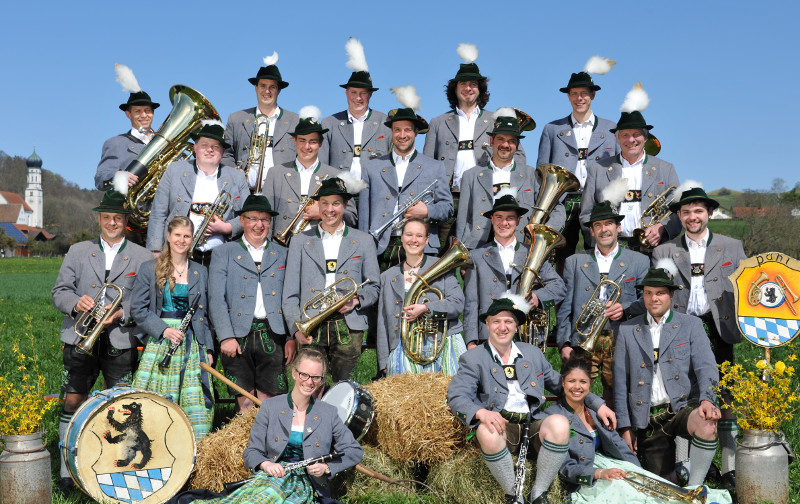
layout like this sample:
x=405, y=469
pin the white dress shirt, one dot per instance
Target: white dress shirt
x=358, y=130
x=261, y=124
x=110, y=252
x=604, y=263
x=330, y=247
x=583, y=133
x=400, y=166
x=501, y=174
x=205, y=191
x=516, y=402
x=507, y=254
x=658, y=394
x=144, y=137
x=632, y=210
x=698, y=301
x=257, y=253
x=306, y=173
x=465, y=159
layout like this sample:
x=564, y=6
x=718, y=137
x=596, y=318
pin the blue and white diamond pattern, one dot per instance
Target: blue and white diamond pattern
x=133, y=486
x=768, y=332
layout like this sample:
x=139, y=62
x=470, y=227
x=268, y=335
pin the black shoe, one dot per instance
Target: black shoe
x=65, y=485
x=713, y=473
x=729, y=483
x=512, y=499
x=542, y=499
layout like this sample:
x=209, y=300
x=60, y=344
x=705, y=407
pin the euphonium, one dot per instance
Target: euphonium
x=414, y=334
x=327, y=302
x=592, y=319
x=655, y=212
x=258, y=144
x=91, y=323
x=556, y=181
x=219, y=208
x=664, y=491
x=544, y=240
x=170, y=143
x=297, y=225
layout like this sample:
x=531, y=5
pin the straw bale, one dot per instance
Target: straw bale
x=219, y=455
x=412, y=420
x=354, y=483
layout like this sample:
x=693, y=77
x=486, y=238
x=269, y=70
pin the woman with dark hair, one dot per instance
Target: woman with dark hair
x=161, y=296
x=599, y=458
x=395, y=283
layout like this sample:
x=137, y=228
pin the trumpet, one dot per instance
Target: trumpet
x=664, y=491
x=258, y=146
x=655, y=212
x=413, y=334
x=327, y=303
x=219, y=208
x=426, y=196
x=592, y=320
x=91, y=323
x=297, y=225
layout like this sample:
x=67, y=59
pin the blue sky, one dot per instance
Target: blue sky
x=722, y=77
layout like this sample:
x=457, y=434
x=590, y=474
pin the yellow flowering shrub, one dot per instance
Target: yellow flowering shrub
x=762, y=399
x=22, y=403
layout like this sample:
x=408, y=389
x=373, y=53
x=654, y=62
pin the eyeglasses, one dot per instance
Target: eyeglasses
x=254, y=220
x=315, y=379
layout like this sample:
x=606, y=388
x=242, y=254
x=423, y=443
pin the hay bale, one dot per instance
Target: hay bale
x=219, y=455
x=412, y=420
x=354, y=484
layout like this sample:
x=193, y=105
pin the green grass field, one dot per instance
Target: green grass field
x=25, y=286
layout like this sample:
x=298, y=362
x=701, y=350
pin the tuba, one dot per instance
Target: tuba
x=170, y=143
x=414, y=334
x=297, y=225
x=664, y=491
x=555, y=182
x=591, y=320
x=327, y=302
x=655, y=212
x=91, y=323
x=219, y=207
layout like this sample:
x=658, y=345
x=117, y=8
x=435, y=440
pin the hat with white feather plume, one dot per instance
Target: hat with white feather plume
x=130, y=85
x=510, y=302
x=468, y=71
x=345, y=184
x=309, y=122
x=506, y=200
x=269, y=71
x=357, y=61
x=213, y=129
x=506, y=123
x=610, y=198
x=597, y=65
x=636, y=101
x=691, y=191
x=662, y=275
x=407, y=96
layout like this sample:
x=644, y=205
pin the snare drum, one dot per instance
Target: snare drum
x=129, y=445
x=354, y=406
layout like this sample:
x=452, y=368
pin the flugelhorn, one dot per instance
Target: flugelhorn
x=327, y=302
x=218, y=208
x=426, y=196
x=664, y=491
x=170, y=143
x=298, y=224
x=91, y=323
x=414, y=334
x=656, y=211
x=592, y=319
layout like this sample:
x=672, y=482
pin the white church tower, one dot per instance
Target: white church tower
x=33, y=191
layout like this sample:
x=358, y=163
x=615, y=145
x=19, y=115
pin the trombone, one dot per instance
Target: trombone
x=426, y=195
x=591, y=321
x=258, y=146
x=91, y=323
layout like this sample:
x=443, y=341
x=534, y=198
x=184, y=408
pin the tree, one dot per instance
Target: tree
x=6, y=242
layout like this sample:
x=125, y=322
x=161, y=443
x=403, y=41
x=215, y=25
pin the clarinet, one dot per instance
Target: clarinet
x=519, y=477
x=229, y=487
x=187, y=319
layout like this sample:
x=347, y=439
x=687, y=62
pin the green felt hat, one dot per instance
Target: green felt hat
x=113, y=202
x=505, y=202
x=308, y=125
x=138, y=98
x=212, y=131
x=506, y=125
x=580, y=79
x=603, y=211
x=657, y=277
x=270, y=72
x=361, y=80
x=468, y=72
x=332, y=187
x=693, y=194
x=631, y=120
x=256, y=203
x=520, y=313
x=407, y=114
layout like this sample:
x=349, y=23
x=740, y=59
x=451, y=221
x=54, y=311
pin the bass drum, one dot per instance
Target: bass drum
x=354, y=405
x=129, y=445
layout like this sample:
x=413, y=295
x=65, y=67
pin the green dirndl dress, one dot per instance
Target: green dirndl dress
x=294, y=488
x=184, y=381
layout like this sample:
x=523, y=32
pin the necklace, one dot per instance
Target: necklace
x=181, y=272
x=412, y=270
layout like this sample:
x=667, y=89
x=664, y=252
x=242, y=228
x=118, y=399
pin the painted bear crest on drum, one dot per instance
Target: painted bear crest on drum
x=132, y=436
